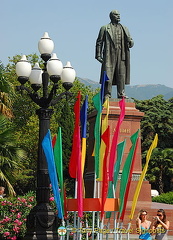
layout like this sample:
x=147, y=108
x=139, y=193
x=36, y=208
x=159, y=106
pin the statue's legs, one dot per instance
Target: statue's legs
x=121, y=80
x=108, y=89
x=119, y=77
x=121, y=86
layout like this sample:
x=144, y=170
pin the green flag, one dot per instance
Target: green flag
x=59, y=164
x=126, y=170
x=120, y=151
x=97, y=105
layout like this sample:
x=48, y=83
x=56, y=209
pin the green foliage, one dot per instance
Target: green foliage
x=160, y=169
x=5, y=86
x=158, y=119
x=11, y=156
x=164, y=198
x=6, y=90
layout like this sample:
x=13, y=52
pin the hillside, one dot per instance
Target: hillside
x=140, y=92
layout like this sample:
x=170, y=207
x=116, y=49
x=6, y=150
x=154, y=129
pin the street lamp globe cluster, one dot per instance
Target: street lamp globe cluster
x=53, y=67
x=42, y=223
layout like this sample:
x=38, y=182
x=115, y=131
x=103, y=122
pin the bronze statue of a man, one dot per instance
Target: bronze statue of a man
x=112, y=50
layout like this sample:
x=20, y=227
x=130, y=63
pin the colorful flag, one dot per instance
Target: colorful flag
x=126, y=171
x=79, y=176
x=75, y=166
x=48, y=151
x=102, y=145
x=102, y=90
x=120, y=152
x=139, y=185
x=83, y=119
x=98, y=106
x=75, y=147
x=115, y=139
x=105, y=137
x=113, y=185
x=53, y=140
x=129, y=181
x=59, y=164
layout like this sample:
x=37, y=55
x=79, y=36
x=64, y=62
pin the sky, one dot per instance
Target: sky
x=74, y=25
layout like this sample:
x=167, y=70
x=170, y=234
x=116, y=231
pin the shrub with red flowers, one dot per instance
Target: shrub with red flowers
x=13, y=213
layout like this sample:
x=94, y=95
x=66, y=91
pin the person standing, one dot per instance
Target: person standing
x=160, y=225
x=112, y=50
x=143, y=225
x=2, y=189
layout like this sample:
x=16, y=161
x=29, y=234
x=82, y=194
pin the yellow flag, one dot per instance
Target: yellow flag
x=138, y=188
x=83, y=154
x=103, y=146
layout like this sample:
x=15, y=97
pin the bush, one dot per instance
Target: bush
x=164, y=198
x=13, y=213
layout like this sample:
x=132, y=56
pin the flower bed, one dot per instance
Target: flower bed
x=13, y=213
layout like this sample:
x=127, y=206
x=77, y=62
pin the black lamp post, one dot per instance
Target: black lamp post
x=42, y=221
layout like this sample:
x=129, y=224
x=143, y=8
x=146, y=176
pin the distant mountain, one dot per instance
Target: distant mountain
x=140, y=92
x=89, y=82
x=143, y=92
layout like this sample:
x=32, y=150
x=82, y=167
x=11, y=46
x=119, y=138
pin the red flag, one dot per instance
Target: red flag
x=129, y=181
x=75, y=168
x=115, y=139
x=75, y=147
x=79, y=176
x=53, y=140
x=105, y=136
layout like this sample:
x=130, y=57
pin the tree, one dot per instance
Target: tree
x=11, y=156
x=158, y=119
x=161, y=169
x=5, y=90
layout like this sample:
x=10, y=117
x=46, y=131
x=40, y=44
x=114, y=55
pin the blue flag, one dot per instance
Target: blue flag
x=83, y=117
x=48, y=151
x=83, y=120
x=102, y=91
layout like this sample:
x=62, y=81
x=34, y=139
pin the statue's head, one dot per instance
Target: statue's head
x=114, y=16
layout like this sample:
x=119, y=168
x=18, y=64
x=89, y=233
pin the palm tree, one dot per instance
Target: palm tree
x=10, y=154
x=161, y=167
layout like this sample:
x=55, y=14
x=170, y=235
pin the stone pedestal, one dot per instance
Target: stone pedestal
x=128, y=127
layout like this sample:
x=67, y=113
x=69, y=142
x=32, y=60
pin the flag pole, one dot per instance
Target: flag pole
x=115, y=227
x=68, y=232
x=101, y=228
x=128, y=230
x=108, y=228
x=75, y=213
x=121, y=226
x=79, y=234
x=93, y=213
x=98, y=225
x=86, y=225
